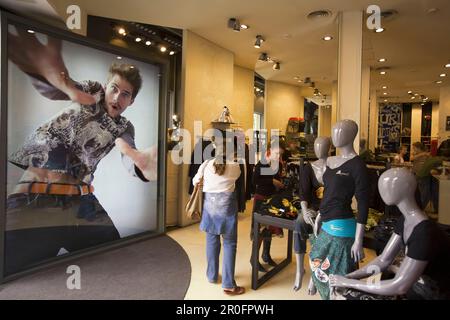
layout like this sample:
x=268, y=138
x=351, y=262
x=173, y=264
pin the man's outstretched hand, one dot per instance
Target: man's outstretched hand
x=45, y=60
x=146, y=160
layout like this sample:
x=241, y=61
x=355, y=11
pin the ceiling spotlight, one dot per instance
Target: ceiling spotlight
x=447, y=65
x=379, y=30
x=276, y=66
x=171, y=53
x=30, y=31
x=138, y=39
x=234, y=24
x=263, y=56
x=119, y=57
x=385, y=93
x=384, y=87
x=258, y=89
x=439, y=82
x=382, y=72
x=327, y=38
x=382, y=60
x=122, y=31
x=163, y=49
x=409, y=92
x=296, y=78
x=385, y=100
x=299, y=81
x=416, y=94
x=442, y=75
x=148, y=42
x=412, y=98
x=259, y=41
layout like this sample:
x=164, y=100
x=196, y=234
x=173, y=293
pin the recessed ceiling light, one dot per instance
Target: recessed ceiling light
x=385, y=100
x=171, y=53
x=122, y=31
x=384, y=87
x=447, y=65
x=327, y=38
x=442, y=75
x=382, y=60
x=379, y=30
x=30, y=31
x=385, y=93
x=131, y=67
x=416, y=94
x=163, y=49
x=148, y=42
x=412, y=98
x=119, y=57
x=296, y=78
x=244, y=26
x=439, y=82
x=409, y=92
x=300, y=81
x=138, y=39
x=383, y=72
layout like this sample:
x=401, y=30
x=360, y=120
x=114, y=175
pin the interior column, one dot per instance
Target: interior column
x=350, y=68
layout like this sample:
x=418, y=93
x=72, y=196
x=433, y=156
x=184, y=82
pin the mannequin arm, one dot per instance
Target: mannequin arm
x=357, y=248
x=308, y=214
x=409, y=272
x=317, y=224
x=382, y=262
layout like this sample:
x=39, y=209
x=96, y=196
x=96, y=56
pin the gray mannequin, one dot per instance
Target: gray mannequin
x=309, y=211
x=397, y=187
x=343, y=134
x=339, y=245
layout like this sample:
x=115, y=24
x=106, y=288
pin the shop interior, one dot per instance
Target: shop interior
x=290, y=74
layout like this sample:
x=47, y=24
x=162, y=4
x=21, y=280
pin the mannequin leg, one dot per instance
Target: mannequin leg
x=267, y=236
x=259, y=266
x=312, y=290
x=299, y=257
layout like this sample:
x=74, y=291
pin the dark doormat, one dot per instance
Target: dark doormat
x=157, y=268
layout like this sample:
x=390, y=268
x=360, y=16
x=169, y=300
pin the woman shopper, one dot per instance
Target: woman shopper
x=219, y=216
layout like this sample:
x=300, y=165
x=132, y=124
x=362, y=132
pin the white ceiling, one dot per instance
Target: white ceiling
x=415, y=42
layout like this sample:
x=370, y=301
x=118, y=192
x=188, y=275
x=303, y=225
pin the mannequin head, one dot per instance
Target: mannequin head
x=322, y=147
x=396, y=185
x=344, y=133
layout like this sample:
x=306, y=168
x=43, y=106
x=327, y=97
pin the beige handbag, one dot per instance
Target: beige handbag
x=194, y=205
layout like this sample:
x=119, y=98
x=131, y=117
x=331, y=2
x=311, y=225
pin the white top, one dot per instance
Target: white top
x=214, y=183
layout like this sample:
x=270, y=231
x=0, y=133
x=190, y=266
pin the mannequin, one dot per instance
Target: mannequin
x=427, y=247
x=309, y=203
x=338, y=246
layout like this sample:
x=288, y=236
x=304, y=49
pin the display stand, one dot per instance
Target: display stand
x=259, y=219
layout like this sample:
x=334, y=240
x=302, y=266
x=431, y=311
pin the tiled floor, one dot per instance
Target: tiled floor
x=279, y=287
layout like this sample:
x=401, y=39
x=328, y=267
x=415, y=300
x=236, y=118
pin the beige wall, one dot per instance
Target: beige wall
x=207, y=86
x=243, y=97
x=324, y=121
x=444, y=112
x=283, y=101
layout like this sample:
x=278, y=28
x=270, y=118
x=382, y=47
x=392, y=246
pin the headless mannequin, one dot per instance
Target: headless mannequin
x=321, y=149
x=397, y=187
x=343, y=134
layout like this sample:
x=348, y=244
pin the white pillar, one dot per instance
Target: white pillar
x=350, y=68
x=444, y=113
x=416, y=123
x=373, y=120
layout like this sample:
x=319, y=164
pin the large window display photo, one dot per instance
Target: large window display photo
x=82, y=156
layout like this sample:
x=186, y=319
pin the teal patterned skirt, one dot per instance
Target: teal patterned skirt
x=330, y=255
